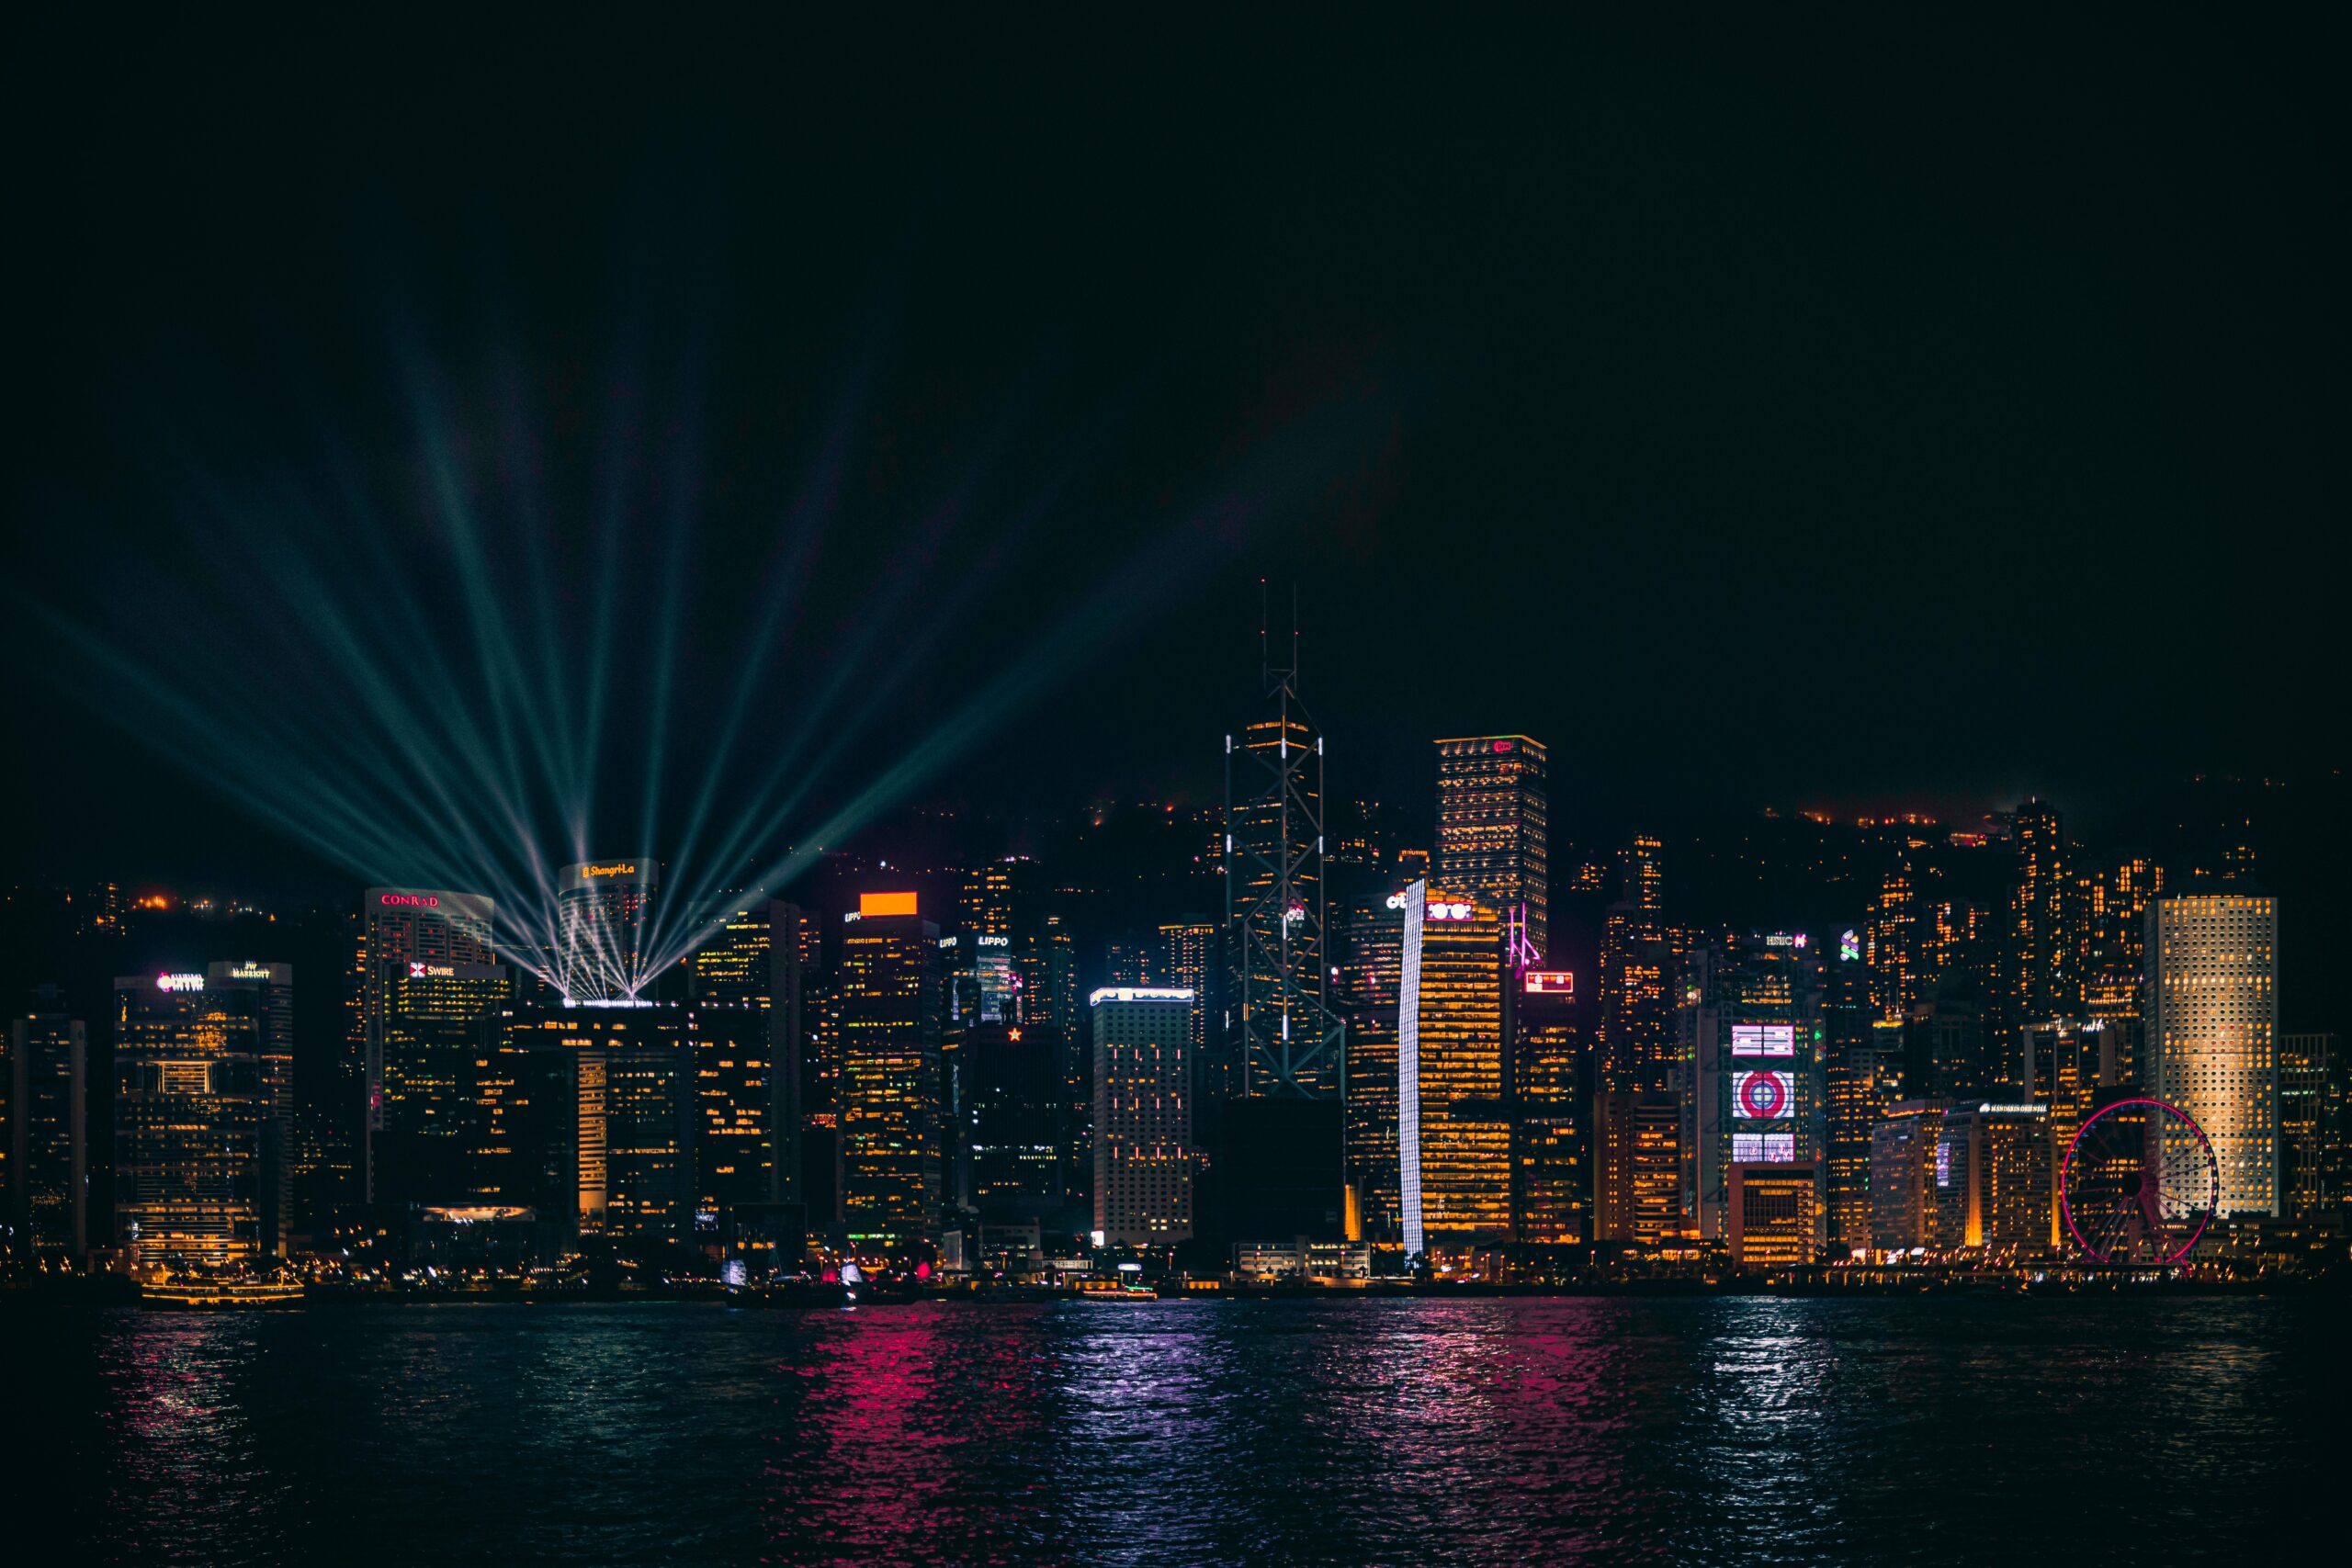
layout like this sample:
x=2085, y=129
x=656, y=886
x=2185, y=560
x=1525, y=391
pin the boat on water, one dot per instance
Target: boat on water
x=206, y=1295
x=1122, y=1294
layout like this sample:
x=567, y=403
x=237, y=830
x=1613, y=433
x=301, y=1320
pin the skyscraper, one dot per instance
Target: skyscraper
x=1368, y=954
x=1143, y=1124
x=1752, y=1036
x=1284, y=1041
x=189, y=1107
x=1552, y=1083
x=605, y=910
x=2212, y=1009
x=1453, y=1128
x=593, y=1108
x=272, y=985
x=2311, y=1126
x=425, y=1036
x=2047, y=915
x=1493, y=826
x=892, y=1174
x=1639, y=957
x=46, y=1159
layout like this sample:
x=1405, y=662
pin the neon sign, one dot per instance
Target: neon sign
x=413, y=900
x=1849, y=947
x=1784, y=939
x=179, y=982
x=432, y=971
x=1763, y=1040
x=1559, y=981
x=1441, y=912
x=1762, y=1096
x=1396, y=901
x=1502, y=744
x=617, y=868
x=250, y=972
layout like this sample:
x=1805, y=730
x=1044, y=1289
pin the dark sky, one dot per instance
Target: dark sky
x=1868, y=411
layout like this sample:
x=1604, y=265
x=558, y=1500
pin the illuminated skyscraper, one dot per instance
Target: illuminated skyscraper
x=47, y=1163
x=1143, y=1124
x=605, y=910
x=2046, y=911
x=891, y=1008
x=1992, y=1179
x=1283, y=1040
x=596, y=1106
x=1637, y=1167
x=189, y=1107
x=1453, y=1128
x=1904, y=1211
x=2212, y=1007
x=1368, y=949
x=1640, y=958
x=425, y=1039
x=1493, y=826
x=2312, y=1126
x=1751, y=1028
x=1863, y=1077
x=273, y=989
x=1188, y=960
x=759, y=959
x=1552, y=1085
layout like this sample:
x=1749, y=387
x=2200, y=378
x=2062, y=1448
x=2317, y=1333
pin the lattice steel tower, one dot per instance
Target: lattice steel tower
x=1285, y=1042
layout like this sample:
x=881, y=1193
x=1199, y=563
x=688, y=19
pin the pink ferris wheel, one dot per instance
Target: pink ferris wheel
x=2139, y=1183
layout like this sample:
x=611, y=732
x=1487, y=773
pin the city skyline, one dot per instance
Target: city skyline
x=1297, y=787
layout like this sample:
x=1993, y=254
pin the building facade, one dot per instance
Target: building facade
x=2212, y=1011
x=45, y=1158
x=893, y=1172
x=1453, y=1126
x=189, y=1109
x=1494, y=826
x=1143, y=1120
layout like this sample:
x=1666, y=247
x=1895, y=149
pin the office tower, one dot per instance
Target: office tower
x=1898, y=952
x=2046, y=915
x=403, y=933
x=1640, y=956
x=1143, y=1122
x=2066, y=1064
x=1014, y=1094
x=1904, y=1213
x=1994, y=1179
x=1453, y=1128
x=1552, y=1082
x=891, y=1008
x=45, y=1080
x=2311, y=1126
x=273, y=989
x=604, y=1116
x=1965, y=1026
x=605, y=917
x=1368, y=966
x=1751, y=1031
x=424, y=1031
x=736, y=964
x=189, y=1108
x=1772, y=1215
x=2212, y=1050
x=2119, y=915
x=760, y=958
x=1637, y=1167
x=1284, y=1042
x=1364, y=833
x=1863, y=1077
x=1493, y=826
x=1188, y=959
x=744, y=1113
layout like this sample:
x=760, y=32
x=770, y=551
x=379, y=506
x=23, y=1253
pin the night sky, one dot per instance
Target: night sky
x=1867, y=412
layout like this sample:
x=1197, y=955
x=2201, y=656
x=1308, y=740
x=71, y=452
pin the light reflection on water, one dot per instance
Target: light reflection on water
x=1709, y=1431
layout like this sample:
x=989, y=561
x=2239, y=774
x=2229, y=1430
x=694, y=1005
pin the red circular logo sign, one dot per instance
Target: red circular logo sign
x=1762, y=1098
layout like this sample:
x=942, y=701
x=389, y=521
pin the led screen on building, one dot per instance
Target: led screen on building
x=1764, y=1148
x=1763, y=1040
x=1763, y=1097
